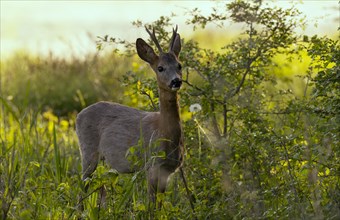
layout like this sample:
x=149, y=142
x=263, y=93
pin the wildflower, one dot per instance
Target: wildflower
x=195, y=107
x=50, y=116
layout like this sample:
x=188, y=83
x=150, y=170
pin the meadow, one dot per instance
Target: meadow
x=264, y=143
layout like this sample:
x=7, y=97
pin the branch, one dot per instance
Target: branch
x=238, y=88
x=148, y=95
x=250, y=62
x=214, y=121
x=225, y=119
x=200, y=74
x=190, y=195
x=193, y=86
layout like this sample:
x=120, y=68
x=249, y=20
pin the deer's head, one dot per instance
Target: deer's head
x=166, y=64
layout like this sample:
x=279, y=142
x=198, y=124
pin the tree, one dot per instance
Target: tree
x=255, y=150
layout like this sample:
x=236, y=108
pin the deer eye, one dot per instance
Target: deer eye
x=160, y=69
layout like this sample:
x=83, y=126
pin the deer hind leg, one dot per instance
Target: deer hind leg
x=89, y=159
x=89, y=164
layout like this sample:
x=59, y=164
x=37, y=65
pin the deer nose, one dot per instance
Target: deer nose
x=175, y=84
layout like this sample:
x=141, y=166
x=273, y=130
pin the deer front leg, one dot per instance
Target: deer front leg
x=157, y=181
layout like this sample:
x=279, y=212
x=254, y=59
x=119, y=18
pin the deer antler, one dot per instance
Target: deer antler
x=154, y=39
x=173, y=38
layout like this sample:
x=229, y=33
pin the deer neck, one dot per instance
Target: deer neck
x=170, y=125
x=170, y=129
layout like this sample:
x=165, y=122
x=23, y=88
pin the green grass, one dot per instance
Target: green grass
x=41, y=179
x=280, y=168
x=65, y=86
x=39, y=165
x=41, y=174
x=40, y=160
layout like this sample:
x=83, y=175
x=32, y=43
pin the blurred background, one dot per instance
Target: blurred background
x=71, y=27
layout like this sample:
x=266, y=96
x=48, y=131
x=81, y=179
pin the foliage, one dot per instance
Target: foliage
x=261, y=142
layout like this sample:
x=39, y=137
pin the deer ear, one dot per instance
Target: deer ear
x=176, y=47
x=145, y=52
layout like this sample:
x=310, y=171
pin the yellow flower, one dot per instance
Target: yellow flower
x=50, y=116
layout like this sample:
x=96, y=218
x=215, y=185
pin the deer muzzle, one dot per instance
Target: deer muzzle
x=175, y=84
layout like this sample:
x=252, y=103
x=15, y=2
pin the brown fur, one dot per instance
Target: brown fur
x=107, y=130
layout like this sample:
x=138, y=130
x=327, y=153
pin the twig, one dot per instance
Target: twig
x=225, y=119
x=191, y=85
x=190, y=195
x=214, y=120
x=149, y=96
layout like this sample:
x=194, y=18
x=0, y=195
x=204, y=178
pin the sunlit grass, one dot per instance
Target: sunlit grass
x=62, y=85
x=40, y=163
x=41, y=174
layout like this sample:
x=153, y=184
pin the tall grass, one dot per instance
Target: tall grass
x=40, y=167
x=41, y=175
x=60, y=84
x=40, y=162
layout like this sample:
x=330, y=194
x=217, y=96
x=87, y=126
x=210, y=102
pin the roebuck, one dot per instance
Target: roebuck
x=107, y=130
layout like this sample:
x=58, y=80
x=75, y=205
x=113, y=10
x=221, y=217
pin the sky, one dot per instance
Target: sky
x=70, y=27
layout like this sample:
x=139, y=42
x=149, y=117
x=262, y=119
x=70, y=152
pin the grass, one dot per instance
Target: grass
x=260, y=174
x=40, y=162
x=65, y=86
x=39, y=165
x=41, y=174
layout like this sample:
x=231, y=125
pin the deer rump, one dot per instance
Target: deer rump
x=108, y=130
